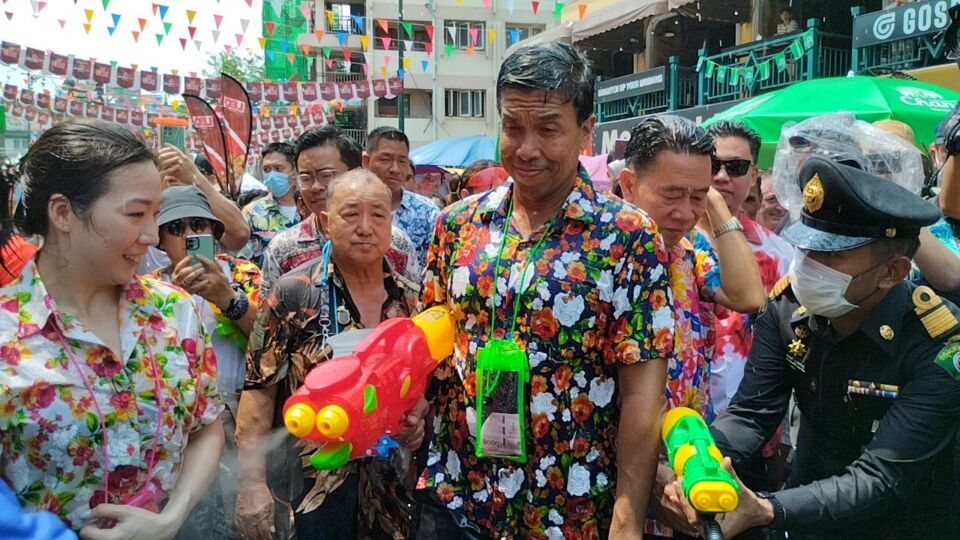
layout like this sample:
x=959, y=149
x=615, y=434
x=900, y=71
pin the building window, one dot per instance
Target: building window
x=520, y=32
x=460, y=33
x=388, y=107
x=466, y=103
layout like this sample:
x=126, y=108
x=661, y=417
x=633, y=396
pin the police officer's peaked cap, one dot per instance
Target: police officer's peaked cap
x=845, y=208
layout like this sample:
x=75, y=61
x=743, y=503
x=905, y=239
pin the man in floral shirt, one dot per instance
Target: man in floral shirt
x=585, y=279
x=668, y=174
x=388, y=157
x=274, y=213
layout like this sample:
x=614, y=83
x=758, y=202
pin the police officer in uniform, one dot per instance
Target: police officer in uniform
x=873, y=363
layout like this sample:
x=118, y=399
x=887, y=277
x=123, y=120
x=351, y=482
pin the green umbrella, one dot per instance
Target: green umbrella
x=920, y=105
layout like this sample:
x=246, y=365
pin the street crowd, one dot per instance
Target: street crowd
x=803, y=311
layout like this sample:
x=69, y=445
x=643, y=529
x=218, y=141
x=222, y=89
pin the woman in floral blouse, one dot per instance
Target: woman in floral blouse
x=108, y=409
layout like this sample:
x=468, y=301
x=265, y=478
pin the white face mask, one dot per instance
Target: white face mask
x=820, y=288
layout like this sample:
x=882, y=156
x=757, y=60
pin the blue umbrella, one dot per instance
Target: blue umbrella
x=455, y=152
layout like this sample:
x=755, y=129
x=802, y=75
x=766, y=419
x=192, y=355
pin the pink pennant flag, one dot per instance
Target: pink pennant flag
x=217, y=19
x=306, y=12
x=474, y=35
x=239, y=39
x=386, y=42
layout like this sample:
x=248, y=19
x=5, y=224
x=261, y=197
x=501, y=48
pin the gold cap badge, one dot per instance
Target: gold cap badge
x=813, y=194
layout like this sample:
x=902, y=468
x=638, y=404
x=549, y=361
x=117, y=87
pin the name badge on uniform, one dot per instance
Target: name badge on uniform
x=867, y=388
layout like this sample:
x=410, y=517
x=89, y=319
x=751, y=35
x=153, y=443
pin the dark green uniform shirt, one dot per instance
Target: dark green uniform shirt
x=879, y=414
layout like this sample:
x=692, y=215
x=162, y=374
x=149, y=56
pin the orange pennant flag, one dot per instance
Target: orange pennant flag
x=306, y=49
x=469, y=50
x=136, y=36
x=583, y=10
x=86, y=27
x=363, y=42
x=319, y=33
x=290, y=57
x=383, y=25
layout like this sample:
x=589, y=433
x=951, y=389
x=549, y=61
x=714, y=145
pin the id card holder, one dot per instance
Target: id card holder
x=502, y=375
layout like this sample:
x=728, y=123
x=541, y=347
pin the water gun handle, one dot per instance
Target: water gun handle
x=711, y=529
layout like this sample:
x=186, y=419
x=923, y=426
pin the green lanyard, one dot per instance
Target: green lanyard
x=523, y=273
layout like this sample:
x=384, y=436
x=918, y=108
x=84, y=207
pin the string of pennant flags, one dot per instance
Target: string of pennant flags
x=748, y=74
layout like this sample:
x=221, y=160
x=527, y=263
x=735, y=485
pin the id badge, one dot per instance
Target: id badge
x=502, y=374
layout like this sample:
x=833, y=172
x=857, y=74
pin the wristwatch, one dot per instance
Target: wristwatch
x=779, y=515
x=238, y=305
x=732, y=224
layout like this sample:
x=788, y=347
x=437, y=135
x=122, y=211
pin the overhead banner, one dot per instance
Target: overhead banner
x=908, y=21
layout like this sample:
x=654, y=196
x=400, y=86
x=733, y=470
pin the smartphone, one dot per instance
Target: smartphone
x=200, y=244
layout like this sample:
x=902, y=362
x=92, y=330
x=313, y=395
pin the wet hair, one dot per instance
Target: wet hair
x=885, y=249
x=350, y=152
x=74, y=158
x=477, y=166
x=7, y=184
x=385, y=133
x=284, y=148
x=556, y=68
x=732, y=128
x=665, y=132
x=248, y=197
x=354, y=179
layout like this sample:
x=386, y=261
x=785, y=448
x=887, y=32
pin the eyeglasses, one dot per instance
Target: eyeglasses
x=177, y=228
x=306, y=178
x=734, y=167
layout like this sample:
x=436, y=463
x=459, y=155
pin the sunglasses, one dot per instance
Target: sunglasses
x=735, y=167
x=177, y=228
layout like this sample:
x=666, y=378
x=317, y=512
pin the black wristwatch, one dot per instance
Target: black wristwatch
x=238, y=305
x=779, y=515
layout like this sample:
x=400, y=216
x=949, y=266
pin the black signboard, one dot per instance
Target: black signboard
x=651, y=80
x=910, y=20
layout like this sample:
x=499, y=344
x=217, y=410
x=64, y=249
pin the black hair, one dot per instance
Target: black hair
x=286, y=149
x=732, y=128
x=74, y=158
x=477, y=166
x=885, y=249
x=350, y=152
x=786, y=9
x=248, y=197
x=556, y=68
x=665, y=132
x=386, y=133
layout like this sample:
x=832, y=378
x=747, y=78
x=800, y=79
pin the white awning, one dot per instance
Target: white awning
x=621, y=13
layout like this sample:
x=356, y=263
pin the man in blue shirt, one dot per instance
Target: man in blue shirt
x=15, y=524
x=388, y=156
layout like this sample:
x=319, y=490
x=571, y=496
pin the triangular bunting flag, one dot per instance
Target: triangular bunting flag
x=86, y=26
x=383, y=70
x=474, y=35
x=486, y=4
x=400, y=73
x=330, y=16
x=284, y=45
x=491, y=34
x=143, y=23
x=319, y=34
x=453, y=33
x=406, y=62
x=197, y=43
x=424, y=64
x=386, y=60
x=326, y=52
x=62, y=22
x=366, y=69
x=408, y=28
x=116, y=18
x=363, y=42
x=159, y=38
x=469, y=50
x=510, y=5
x=342, y=38
x=306, y=49
x=154, y=6
x=557, y=9
x=192, y=30
x=190, y=15
x=429, y=29
x=105, y=4
x=111, y=29
x=360, y=22
x=291, y=57
x=217, y=19
x=346, y=65
x=244, y=23
x=263, y=42
x=163, y=11
x=307, y=12
x=183, y=43
x=449, y=47
x=428, y=46
x=536, y=6
x=166, y=28
x=383, y=25
x=271, y=26
x=331, y=64
x=277, y=6
x=407, y=45
x=239, y=39
x=514, y=36
x=582, y=10
x=385, y=41
x=216, y=35
x=89, y=14
x=347, y=55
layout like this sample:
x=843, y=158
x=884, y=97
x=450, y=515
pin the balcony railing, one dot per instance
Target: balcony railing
x=899, y=39
x=343, y=24
x=666, y=88
x=773, y=63
x=337, y=76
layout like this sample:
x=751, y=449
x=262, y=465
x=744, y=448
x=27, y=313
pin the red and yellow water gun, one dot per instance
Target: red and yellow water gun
x=352, y=404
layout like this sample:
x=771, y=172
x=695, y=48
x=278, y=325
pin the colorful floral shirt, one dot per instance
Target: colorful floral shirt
x=227, y=339
x=597, y=297
x=303, y=242
x=735, y=332
x=417, y=216
x=265, y=220
x=287, y=341
x=50, y=432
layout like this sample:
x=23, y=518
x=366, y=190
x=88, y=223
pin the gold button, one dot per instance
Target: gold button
x=886, y=332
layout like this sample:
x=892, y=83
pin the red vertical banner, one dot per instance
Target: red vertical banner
x=148, y=81
x=9, y=53
x=9, y=91
x=171, y=83
x=291, y=92
x=395, y=85
x=125, y=77
x=346, y=89
x=27, y=97
x=362, y=89
x=255, y=91
x=328, y=91
x=238, y=121
x=102, y=73
x=123, y=115
x=82, y=69
x=93, y=110
x=213, y=88
x=33, y=59
x=107, y=114
x=379, y=88
x=191, y=85
x=136, y=117
x=271, y=91
x=76, y=108
x=207, y=126
x=309, y=91
x=60, y=105
x=58, y=64
x=43, y=100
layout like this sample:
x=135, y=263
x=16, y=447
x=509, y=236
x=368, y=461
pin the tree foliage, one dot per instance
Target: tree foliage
x=243, y=68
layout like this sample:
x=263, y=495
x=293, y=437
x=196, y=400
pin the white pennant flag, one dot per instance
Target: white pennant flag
x=243, y=24
x=453, y=33
x=346, y=66
x=216, y=36
x=408, y=44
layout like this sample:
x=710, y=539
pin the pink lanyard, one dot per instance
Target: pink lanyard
x=102, y=419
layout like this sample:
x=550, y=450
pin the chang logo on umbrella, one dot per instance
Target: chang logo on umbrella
x=922, y=97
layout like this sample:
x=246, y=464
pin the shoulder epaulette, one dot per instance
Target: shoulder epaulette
x=938, y=319
x=780, y=286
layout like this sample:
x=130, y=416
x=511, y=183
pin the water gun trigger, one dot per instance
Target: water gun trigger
x=383, y=446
